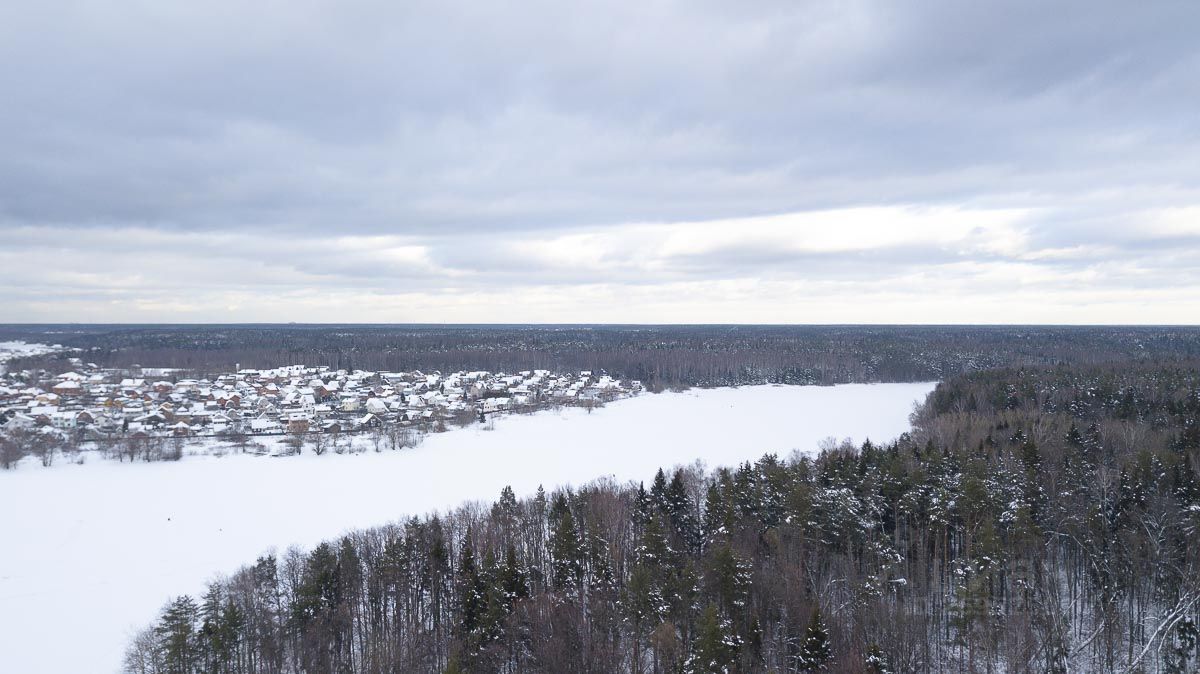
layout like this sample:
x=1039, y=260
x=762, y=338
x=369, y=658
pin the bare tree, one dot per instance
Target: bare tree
x=12, y=448
x=143, y=655
x=318, y=442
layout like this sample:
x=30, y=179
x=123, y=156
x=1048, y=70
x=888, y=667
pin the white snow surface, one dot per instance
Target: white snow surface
x=10, y=350
x=89, y=553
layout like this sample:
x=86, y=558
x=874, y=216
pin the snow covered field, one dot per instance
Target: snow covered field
x=92, y=551
x=10, y=350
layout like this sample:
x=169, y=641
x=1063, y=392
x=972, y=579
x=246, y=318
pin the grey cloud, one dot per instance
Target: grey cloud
x=471, y=128
x=388, y=117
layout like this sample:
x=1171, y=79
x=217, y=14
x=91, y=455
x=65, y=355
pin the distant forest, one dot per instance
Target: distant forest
x=660, y=356
x=1039, y=518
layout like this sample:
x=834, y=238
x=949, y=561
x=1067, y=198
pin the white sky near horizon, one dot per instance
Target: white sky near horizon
x=628, y=162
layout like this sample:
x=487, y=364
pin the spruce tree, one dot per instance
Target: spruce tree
x=471, y=599
x=566, y=548
x=727, y=581
x=714, y=651
x=877, y=661
x=643, y=506
x=718, y=515
x=679, y=511
x=177, y=636
x=814, y=650
x=512, y=581
x=658, y=490
x=495, y=606
x=506, y=512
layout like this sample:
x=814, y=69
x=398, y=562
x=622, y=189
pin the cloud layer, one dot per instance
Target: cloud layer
x=685, y=161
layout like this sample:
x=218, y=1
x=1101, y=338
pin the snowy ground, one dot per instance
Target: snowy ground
x=10, y=350
x=90, y=552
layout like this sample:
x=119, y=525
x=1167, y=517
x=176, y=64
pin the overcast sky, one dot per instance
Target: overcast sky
x=610, y=161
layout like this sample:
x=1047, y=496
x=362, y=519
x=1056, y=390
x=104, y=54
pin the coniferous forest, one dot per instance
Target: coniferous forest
x=1041, y=519
x=661, y=356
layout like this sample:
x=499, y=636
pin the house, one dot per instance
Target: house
x=291, y=398
x=496, y=404
x=152, y=420
x=265, y=426
x=67, y=388
x=308, y=402
x=23, y=421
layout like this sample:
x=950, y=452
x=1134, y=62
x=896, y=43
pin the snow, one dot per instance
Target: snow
x=10, y=350
x=90, y=553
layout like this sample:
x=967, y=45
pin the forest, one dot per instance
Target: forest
x=663, y=356
x=1036, y=519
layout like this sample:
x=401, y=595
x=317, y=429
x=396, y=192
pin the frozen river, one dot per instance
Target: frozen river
x=89, y=553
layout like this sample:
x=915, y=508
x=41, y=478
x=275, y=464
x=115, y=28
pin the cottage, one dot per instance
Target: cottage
x=69, y=387
x=369, y=421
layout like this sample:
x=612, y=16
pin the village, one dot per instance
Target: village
x=95, y=405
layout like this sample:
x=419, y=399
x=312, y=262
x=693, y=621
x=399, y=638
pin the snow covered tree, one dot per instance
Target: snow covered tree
x=472, y=596
x=566, y=547
x=714, y=651
x=680, y=512
x=814, y=649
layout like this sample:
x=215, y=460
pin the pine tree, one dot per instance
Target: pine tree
x=1034, y=495
x=877, y=661
x=349, y=584
x=714, y=650
x=471, y=598
x=718, y=515
x=566, y=548
x=1127, y=408
x=773, y=489
x=314, y=608
x=506, y=512
x=177, y=636
x=642, y=606
x=454, y=667
x=217, y=635
x=496, y=606
x=727, y=581
x=1182, y=653
x=512, y=580
x=679, y=510
x=264, y=622
x=658, y=491
x=815, y=649
x=744, y=494
x=643, y=507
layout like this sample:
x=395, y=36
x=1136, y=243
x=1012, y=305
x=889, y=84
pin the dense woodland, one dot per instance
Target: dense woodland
x=1037, y=519
x=660, y=356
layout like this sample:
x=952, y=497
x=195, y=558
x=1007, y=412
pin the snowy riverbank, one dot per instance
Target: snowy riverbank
x=11, y=350
x=94, y=550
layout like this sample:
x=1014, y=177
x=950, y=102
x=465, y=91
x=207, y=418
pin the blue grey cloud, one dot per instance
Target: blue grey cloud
x=153, y=147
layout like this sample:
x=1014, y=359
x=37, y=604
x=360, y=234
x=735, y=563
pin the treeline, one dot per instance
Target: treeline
x=1036, y=520
x=660, y=356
